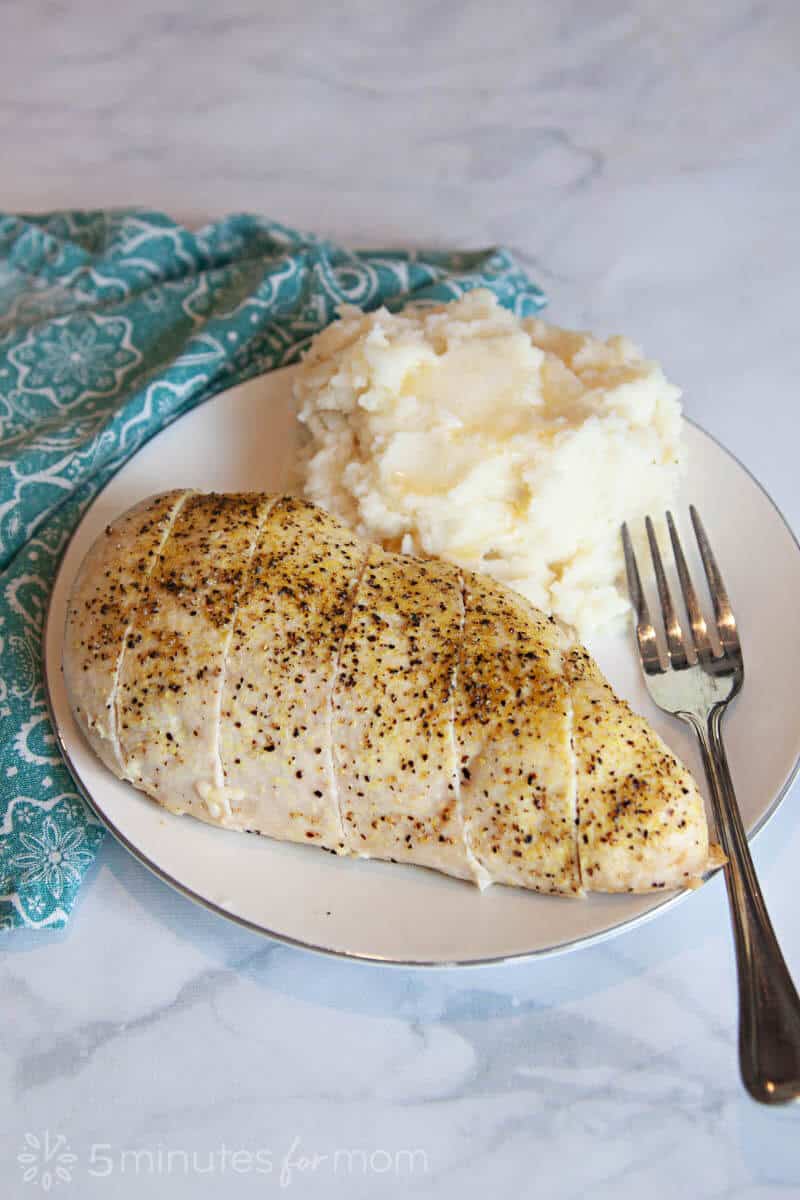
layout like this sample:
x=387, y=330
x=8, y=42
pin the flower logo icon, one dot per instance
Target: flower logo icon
x=46, y=1159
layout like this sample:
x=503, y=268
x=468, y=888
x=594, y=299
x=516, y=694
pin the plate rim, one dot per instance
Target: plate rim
x=568, y=947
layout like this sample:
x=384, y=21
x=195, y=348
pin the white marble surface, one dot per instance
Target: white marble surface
x=642, y=159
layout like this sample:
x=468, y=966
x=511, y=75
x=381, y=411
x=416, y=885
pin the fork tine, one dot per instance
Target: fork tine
x=726, y=624
x=645, y=633
x=672, y=628
x=699, y=634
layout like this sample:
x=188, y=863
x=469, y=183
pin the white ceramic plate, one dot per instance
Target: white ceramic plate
x=244, y=439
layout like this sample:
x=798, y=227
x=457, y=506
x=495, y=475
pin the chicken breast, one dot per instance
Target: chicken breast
x=514, y=738
x=641, y=819
x=112, y=583
x=276, y=741
x=393, y=716
x=170, y=686
x=245, y=659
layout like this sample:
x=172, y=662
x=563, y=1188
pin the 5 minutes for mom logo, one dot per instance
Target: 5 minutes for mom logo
x=46, y=1159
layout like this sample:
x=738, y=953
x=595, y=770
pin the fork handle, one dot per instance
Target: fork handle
x=769, y=1007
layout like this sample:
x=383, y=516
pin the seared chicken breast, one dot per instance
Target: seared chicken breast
x=247, y=660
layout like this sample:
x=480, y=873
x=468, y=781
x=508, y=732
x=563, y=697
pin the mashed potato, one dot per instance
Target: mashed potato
x=507, y=446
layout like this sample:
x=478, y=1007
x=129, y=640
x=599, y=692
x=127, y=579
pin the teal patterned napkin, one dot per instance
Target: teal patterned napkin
x=112, y=324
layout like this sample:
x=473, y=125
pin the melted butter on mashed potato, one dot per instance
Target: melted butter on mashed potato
x=507, y=446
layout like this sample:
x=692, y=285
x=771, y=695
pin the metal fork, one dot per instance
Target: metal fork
x=697, y=683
